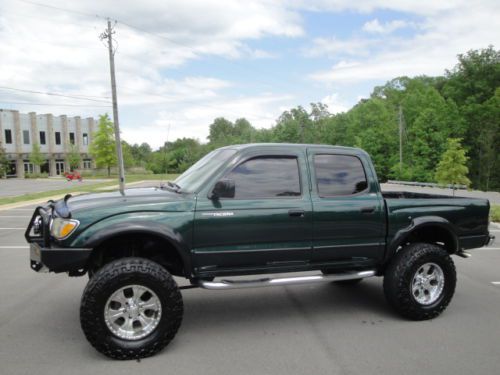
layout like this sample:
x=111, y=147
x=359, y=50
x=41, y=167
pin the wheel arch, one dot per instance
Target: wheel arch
x=430, y=229
x=168, y=243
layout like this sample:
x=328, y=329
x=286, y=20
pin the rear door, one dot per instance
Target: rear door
x=267, y=224
x=349, y=216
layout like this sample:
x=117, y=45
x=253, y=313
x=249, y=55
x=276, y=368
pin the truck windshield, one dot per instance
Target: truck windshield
x=192, y=179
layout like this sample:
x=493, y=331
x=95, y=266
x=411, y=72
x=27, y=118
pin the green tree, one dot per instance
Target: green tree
x=128, y=156
x=475, y=78
x=452, y=168
x=4, y=163
x=74, y=158
x=36, y=157
x=221, y=131
x=103, y=147
x=141, y=154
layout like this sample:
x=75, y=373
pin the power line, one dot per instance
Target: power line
x=193, y=50
x=57, y=104
x=62, y=9
x=79, y=97
x=148, y=32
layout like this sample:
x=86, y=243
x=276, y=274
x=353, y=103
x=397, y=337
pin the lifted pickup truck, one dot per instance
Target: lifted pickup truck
x=249, y=210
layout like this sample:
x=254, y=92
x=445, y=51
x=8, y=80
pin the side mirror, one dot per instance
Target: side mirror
x=223, y=189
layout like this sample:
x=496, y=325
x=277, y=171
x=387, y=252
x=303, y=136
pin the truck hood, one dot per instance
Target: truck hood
x=138, y=199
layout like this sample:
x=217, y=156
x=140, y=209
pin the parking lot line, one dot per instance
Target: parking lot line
x=12, y=228
x=14, y=247
x=495, y=282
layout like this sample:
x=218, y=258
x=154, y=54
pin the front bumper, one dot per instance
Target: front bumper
x=54, y=259
x=45, y=256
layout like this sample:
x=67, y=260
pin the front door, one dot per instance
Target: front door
x=349, y=217
x=267, y=224
x=59, y=168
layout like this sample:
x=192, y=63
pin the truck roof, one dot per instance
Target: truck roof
x=353, y=150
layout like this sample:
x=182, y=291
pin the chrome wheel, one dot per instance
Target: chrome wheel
x=428, y=284
x=132, y=312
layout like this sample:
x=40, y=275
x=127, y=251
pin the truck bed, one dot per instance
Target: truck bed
x=468, y=217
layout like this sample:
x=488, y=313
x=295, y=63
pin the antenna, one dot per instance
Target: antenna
x=165, y=145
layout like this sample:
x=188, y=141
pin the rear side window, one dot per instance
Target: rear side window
x=266, y=177
x=339, y=175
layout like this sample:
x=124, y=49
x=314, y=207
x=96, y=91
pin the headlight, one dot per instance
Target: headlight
x=62, y=228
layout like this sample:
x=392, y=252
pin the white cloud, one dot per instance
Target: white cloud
x=192, y=120
x=45, y=49
x=334, y=47
x=421, y=7
x=335, y=103
x=48, y=50
x=431, y=50
x=374, y=26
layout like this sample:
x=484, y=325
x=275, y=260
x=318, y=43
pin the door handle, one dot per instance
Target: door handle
x=367, y=210
x=296, y=213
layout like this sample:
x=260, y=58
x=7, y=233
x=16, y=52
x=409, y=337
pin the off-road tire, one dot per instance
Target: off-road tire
x=399, y=276
x=105, y=282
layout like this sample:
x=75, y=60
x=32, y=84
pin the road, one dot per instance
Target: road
x=313, y=329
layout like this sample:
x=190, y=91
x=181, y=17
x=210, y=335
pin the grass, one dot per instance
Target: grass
x=97, y=187
x=495, y=213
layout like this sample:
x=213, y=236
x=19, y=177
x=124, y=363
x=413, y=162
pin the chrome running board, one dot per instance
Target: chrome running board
x=238, y=284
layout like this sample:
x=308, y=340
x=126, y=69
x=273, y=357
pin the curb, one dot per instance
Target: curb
x=10, y=206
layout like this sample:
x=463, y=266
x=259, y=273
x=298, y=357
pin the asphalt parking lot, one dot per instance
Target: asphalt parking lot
x=313, y=329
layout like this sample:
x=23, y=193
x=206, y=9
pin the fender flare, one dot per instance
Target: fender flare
x=153, y=228
x=417, y=224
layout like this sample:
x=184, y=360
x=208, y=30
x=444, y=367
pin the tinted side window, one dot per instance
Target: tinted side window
x=339, y=175
x=266, y=177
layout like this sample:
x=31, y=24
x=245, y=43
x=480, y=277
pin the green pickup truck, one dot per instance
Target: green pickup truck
x=245, y=210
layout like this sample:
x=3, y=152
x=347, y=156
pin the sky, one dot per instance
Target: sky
x=182, y=63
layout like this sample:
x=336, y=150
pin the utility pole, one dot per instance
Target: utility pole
x=108, y=34
x=400, y=139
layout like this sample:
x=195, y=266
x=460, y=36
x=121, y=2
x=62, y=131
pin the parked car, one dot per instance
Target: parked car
x=251, y=210
x=73, y=175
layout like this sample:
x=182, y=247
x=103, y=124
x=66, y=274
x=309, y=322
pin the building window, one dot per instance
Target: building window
x=8, y=136
x=42, y=138
x=87, y=164
x=85, y=139
x=58, y=138
x=28, y=167
x=26, y=137
x=72, y=138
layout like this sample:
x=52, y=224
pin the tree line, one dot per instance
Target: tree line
x=452, y=121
